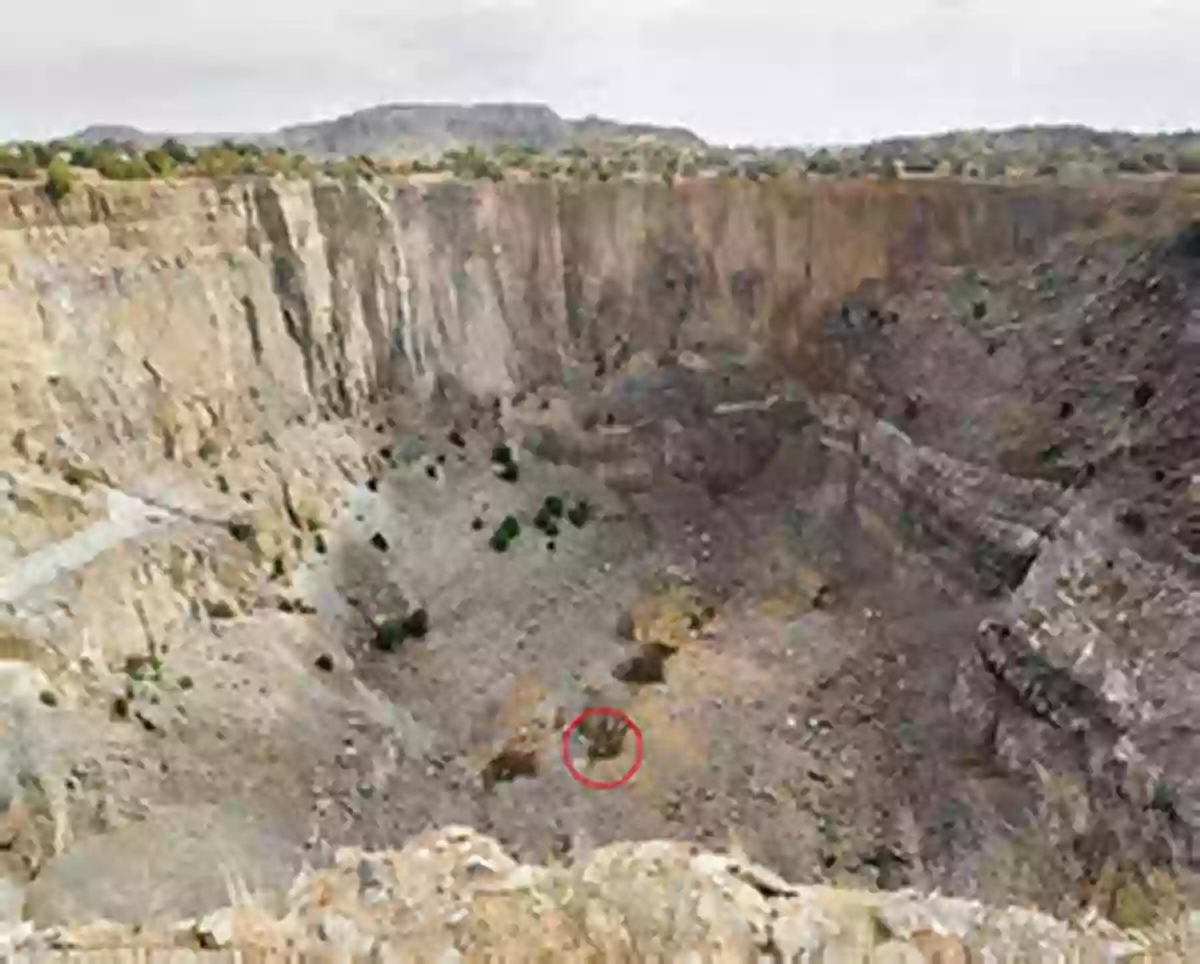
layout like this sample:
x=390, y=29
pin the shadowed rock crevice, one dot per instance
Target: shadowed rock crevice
x=287, y=280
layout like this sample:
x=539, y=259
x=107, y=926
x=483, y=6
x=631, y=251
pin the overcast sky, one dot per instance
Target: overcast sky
x=763, y=71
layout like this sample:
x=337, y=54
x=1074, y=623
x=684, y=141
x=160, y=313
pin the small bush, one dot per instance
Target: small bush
x=83, y=156
x=504, y=534
x=116, y=167
x=59, y=180
x=510, y=527
x=43, y=154
x=160, y=162
x=18, y=167
x=395, y=631
x=177, y=152
x=391, y=633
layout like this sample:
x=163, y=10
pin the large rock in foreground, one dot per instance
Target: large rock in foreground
x=455, y=895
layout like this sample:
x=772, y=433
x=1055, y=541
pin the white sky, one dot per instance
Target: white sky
x=763, y=71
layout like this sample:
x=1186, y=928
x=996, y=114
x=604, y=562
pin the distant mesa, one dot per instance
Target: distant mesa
x=413, y=130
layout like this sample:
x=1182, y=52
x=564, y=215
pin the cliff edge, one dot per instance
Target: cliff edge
x=455, y=895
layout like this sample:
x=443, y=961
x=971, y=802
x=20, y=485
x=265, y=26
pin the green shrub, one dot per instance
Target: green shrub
x=395, y=631
x=505, y=533
x=545, y=522
x=510, y=528
x=43, y=154
x=83, y=156
x=160, y=162
x=471, y=164
x=824, y=162
x=217, y=162
x=18, y=167
x=177, y=152
x=59, y=180
x=390, y=633
x=117, y=167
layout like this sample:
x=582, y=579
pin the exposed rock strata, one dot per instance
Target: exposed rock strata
x=307, y=299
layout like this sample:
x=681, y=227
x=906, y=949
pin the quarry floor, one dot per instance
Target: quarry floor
x=812, y=732
x=808, y=726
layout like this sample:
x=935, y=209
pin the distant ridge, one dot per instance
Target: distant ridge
x=405, y=130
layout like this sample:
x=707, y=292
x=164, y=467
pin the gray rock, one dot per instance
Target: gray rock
x=180, y=863
x=12, y=900
x=33, y=822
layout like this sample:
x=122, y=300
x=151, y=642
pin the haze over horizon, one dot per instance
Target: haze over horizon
x=743, y=72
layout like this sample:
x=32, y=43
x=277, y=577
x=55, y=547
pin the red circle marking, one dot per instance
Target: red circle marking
x=616, y=714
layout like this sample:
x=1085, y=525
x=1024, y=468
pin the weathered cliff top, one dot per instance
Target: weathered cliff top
x=455, y=895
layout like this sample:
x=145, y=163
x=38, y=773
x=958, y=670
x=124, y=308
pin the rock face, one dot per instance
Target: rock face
x=990, y=523
x=311, y=299
x=455, y=895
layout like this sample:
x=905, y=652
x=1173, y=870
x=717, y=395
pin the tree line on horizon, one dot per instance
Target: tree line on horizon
x=1062, y=152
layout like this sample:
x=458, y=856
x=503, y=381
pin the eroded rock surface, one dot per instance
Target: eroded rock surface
x=454, y=894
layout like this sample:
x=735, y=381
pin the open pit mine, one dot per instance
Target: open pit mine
x=867, y=513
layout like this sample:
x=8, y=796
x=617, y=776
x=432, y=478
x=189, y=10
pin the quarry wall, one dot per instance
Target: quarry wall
x=180, y=310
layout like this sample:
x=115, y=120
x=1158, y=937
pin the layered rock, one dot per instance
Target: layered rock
x=301, y=299
x=1096, y=645
x=985, y=527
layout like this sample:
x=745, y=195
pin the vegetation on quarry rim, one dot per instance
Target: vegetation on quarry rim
x=1037, y=152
